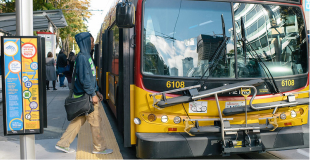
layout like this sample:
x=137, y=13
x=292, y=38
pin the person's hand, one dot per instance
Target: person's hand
x=99, y=95
x=95, y=99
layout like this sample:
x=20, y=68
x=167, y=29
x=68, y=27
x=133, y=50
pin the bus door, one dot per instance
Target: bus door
x=97, y=62
x=126, y=83
x=113, y=77
x=105, y=65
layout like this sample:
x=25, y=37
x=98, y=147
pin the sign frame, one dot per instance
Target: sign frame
x=38, y=101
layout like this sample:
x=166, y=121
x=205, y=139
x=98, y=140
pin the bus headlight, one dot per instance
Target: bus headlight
x=177, y=120
x=283, y=116
x=293, y=114
x=164, y=119
x=137, y=121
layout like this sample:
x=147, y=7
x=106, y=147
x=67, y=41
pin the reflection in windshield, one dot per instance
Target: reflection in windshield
x=276, y=34
x=180, y=38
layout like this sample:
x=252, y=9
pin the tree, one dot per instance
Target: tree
x=8, y=6
x=75, y=12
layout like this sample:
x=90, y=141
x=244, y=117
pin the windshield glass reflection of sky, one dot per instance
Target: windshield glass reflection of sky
x=172, y=28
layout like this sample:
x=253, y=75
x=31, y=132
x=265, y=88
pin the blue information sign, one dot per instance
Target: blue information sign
x=307, y=5
x=13, y=87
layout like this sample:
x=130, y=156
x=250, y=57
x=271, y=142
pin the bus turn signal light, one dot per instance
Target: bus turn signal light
x=151, y=117
x=301, y=111
x=172, y=129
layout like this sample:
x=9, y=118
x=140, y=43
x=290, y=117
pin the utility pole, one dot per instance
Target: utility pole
x=24, y=27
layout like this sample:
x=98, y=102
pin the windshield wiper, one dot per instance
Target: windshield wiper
x=244, y=43
x=217, y=55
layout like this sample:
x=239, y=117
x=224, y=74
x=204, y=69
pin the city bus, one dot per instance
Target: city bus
x=190, y=78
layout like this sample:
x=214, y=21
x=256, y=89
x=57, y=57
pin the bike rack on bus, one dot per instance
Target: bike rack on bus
x=163, y=94
x=194, y=95
x=251, y=105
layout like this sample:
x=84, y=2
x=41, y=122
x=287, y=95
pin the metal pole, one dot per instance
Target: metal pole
x=24, y=27
x=221, y=118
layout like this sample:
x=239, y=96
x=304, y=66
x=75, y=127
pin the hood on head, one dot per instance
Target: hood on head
x=84, y=42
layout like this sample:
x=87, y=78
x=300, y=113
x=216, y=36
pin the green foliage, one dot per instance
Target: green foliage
x=8, y=6
x=75, y=12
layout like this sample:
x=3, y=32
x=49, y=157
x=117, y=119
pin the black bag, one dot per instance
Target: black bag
x=76, y=107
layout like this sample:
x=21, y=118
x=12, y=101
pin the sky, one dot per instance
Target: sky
x=94, y=23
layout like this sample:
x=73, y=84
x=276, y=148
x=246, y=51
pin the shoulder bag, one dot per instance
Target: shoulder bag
x=76, y=107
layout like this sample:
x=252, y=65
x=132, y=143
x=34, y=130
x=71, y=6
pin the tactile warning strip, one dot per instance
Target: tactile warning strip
x=85, y=142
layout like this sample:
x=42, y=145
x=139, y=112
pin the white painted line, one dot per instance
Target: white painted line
x=303, y=152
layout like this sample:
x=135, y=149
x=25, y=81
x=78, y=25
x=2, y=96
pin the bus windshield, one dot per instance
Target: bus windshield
x=180, y=38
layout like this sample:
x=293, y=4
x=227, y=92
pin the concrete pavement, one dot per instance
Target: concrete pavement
x=45, y=143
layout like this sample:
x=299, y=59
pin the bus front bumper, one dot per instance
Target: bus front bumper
x=178, y=145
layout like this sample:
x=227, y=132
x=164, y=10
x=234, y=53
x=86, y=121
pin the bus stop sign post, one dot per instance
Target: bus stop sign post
x=24, y=27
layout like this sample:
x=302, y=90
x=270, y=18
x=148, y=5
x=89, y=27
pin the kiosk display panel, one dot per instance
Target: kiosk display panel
x=20, y=87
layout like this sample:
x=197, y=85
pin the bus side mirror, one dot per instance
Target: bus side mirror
x=125, y=15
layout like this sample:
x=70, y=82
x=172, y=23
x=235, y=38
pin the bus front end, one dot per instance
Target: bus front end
x=219, y=78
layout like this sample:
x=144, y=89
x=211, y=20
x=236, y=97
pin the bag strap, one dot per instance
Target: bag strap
x=73, y=76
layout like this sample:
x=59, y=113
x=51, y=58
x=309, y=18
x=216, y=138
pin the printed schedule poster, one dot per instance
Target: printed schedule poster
x=30, y=85
x=13, y=87
x=21, y=86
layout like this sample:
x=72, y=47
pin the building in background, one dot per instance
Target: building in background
x=50, y=42
x=174, y=71
x=154, y=63
x=187, y=64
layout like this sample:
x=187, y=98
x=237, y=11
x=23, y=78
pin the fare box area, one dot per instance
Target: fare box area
x=22, y=85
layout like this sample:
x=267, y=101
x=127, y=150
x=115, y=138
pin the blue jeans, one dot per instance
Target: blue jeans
x=61, y=75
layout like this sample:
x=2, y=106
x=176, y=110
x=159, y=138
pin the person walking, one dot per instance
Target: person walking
x=85, y=83
x=50, y=71
x=61, y=64
x=68, y=74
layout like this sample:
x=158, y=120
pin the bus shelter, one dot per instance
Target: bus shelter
x=42, y=20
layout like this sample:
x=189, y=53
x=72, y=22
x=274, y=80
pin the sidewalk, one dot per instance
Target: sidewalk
x=45, y=143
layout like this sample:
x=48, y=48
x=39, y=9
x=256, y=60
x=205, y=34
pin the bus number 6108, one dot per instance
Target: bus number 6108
x=175, y=84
